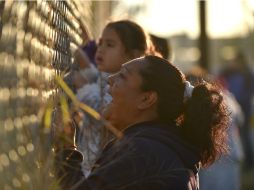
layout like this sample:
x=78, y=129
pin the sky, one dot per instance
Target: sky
x=225, y=18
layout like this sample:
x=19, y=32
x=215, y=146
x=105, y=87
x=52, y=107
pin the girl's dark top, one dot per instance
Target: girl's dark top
x=150, y=156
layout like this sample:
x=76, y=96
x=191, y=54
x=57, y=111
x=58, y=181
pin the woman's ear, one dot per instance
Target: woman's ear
x=148, y=100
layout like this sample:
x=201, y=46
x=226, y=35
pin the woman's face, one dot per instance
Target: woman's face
x=126, y=93
x=111, y=53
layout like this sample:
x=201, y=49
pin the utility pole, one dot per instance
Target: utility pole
x=203, y=40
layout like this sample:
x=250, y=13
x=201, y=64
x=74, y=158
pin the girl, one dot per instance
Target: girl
x=120, y=42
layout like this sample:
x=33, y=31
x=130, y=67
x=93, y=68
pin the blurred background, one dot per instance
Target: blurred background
x=36, y=40
x=221, y=27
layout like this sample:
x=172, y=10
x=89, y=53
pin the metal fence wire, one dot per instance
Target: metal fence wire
x=35, y=45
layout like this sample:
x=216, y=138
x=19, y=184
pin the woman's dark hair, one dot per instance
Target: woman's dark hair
x=202, y=118
x=133, y=37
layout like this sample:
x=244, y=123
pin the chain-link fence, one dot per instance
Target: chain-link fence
x=35, y=45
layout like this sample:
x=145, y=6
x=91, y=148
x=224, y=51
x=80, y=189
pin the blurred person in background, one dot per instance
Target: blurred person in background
x=239, y=80
x=162, y=46
x=225, y=173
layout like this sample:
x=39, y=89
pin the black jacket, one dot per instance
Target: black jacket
x=150, y=156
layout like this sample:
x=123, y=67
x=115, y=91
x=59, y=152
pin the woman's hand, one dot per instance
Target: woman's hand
x=65, y=132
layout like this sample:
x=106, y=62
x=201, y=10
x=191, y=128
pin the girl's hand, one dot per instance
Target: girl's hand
x=78, y=80
x=82, y=59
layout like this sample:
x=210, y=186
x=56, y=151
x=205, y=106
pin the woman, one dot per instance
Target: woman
x=170, y=129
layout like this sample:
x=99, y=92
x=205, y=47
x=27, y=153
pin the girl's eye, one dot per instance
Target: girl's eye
x=110, y=44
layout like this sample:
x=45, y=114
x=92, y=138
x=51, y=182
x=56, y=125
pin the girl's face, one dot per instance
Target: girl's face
x=111, y=53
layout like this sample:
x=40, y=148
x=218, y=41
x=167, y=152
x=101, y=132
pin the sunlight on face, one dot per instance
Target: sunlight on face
x=126, y=93
x=111, y=53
